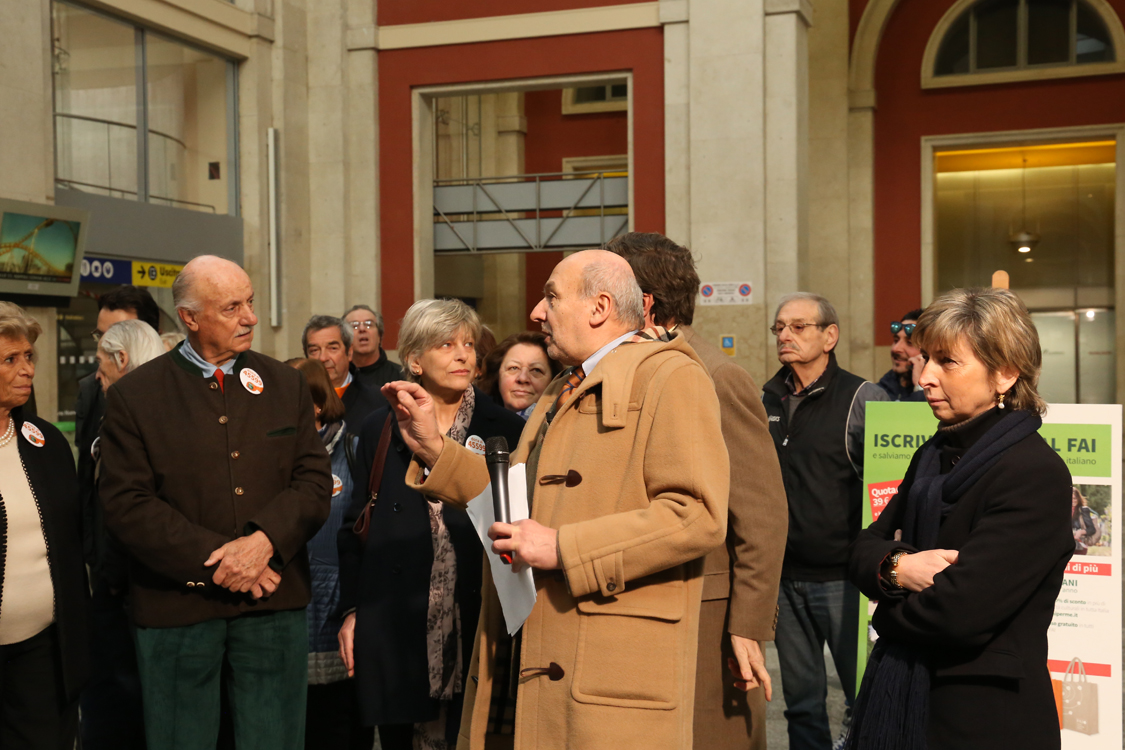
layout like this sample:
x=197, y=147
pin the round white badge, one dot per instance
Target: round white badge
x=476, y=444
x=33, y=435
x=337, y=485
x=251, y=381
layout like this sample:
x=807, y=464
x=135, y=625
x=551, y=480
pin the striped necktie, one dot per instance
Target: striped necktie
x=572, y=381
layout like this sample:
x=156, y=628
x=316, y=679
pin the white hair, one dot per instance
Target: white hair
x=617, y=281
x=134, y=337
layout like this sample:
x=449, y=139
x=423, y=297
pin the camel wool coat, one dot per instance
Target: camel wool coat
x=621, y=617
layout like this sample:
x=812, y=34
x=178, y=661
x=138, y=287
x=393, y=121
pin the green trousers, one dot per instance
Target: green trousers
x=180, y=672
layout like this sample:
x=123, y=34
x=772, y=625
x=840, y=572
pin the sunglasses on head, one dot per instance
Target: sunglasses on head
x=897, y=326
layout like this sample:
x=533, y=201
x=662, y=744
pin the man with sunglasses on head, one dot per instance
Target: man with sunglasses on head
x=816, y=417
x=901, y=381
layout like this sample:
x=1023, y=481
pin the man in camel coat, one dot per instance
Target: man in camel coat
x=607, y=657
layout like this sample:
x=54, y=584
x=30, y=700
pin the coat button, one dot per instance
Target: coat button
x=238, y=490
x=611, y=586
x=223, y=419
x=235, y=455
x=396, y=507
x=214, y=386
x=396, y=569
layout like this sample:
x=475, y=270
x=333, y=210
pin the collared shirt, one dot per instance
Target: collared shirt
x=208, y=369
x=340, y=389
x=592, y=362
x=796, y=397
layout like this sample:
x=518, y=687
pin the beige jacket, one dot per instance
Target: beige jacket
x=643, y=431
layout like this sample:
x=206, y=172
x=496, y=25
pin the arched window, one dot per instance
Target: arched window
x=994, y=40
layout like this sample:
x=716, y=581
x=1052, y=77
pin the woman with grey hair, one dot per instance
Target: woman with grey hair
x=124, y=347
x=413, y=589
x=44, y=598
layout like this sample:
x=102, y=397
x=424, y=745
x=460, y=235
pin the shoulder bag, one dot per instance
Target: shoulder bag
x=363, y=523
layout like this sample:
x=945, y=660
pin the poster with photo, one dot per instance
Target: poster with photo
x=1084, y=640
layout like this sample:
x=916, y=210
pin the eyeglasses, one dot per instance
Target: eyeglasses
x=897, y=326
x=796, y=328
x=366, y=325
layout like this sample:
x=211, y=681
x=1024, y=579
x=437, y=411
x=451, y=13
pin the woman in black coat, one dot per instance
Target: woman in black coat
x=44, y=594
x=409, y=652
x=968, y=558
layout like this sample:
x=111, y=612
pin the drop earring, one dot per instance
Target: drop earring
x=1001, y=404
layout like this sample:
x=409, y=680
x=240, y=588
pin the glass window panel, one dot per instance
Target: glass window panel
x=187, y=126
x=1097, y=370
x=95, y=76
x=587, y=94
x=1094, y=225
x=953, y=57
x=1048, y=31
x=997, y=33
x=1093, y=43
x=619, y=91
x=1058, y=378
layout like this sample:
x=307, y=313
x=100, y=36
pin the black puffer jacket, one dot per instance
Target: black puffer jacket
x=821, y=455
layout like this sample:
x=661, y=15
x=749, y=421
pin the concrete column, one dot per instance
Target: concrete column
x=328, y=154
x=677, y=126
x=362, y=276
x=275, y=93
x=786, y=148
x=27, y=158
x=505, y=129
x=726, y=78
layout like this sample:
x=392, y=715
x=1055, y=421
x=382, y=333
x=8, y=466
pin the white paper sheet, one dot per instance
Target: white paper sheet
x=516, y=590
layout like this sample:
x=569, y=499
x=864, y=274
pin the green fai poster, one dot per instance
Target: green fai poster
x=1084, y=646
x=893, y=432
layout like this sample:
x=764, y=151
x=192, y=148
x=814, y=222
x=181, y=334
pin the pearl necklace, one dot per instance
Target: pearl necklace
x=8, y=433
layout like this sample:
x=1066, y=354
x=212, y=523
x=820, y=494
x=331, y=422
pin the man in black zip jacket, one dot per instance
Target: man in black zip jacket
x=816, y=417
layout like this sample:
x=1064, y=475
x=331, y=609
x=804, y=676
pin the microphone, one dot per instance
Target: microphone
x=496, y=456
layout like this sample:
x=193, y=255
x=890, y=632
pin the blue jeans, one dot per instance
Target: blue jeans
x=810, y=614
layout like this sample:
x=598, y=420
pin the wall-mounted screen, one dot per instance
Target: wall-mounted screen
x=41, y=248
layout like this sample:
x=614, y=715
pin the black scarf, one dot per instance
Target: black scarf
x=893, y=702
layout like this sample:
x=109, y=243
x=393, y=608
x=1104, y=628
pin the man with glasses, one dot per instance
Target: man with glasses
x=372, y=368
x=816, y=417
x=901, y=381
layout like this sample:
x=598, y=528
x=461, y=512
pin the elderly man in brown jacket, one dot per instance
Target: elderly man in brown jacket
x=741, y=578
x=628, y=481
x=214, y=478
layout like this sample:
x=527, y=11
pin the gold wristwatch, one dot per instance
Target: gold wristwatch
x=893, y=574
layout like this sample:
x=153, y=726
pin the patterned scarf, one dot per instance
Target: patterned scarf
x=443, y=621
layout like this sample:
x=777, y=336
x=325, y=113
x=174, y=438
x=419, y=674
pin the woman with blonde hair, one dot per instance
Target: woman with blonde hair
x=413, y=589
x=968, y=558
x=44, y=595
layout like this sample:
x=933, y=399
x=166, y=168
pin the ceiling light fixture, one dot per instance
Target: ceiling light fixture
x=1023, y=241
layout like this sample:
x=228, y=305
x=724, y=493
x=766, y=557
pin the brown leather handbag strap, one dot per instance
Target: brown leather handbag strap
x=363, y=523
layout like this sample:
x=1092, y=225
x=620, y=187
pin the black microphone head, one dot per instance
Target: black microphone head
x=496, y=449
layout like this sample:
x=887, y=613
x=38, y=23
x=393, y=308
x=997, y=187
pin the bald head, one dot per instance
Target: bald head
x=201, y=274
x=590, y=299
x=215, y=300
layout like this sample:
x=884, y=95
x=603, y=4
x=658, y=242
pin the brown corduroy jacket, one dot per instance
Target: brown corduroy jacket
x=188, y=466
x=621, y=618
